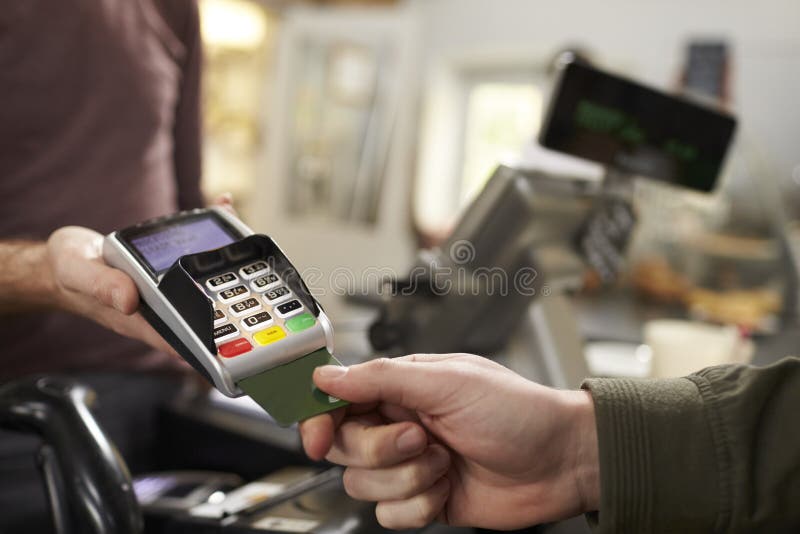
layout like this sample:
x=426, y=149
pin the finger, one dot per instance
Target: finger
x=395, y=413
x=405, y=383
x=108, y=286
x=197, y=385
x=358, y=444
x=317, y=433
x=358, y=409
x=225, y=201
x=417, y=511
x=148, y=334
x=136, y=327
x=401, y=481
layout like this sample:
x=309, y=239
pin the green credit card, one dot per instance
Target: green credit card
x=288, y=393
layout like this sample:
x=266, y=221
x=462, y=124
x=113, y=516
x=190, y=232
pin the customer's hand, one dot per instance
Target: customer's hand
x=82, y=283
x=457, y=438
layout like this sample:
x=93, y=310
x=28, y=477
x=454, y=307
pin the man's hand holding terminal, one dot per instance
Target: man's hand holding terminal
x=459, y=439
x=67, y=272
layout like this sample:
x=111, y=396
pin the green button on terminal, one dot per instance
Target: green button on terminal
x=301, y=322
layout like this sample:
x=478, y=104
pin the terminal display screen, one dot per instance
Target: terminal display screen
x=165, y=244
x=637, y=130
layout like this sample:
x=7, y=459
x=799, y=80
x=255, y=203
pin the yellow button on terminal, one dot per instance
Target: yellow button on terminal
x=270, y=335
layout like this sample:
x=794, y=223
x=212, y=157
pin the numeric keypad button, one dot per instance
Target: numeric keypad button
x=233, y=294
x=243, y=307
x=263, y=283
x=257, y=321
x=279, y=294
x=254, y=269
x=222, y=281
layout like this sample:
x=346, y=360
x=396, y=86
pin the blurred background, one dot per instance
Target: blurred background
x=356, y=132
x=382, y=143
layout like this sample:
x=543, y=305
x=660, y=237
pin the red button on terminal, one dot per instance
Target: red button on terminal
x=234, y=348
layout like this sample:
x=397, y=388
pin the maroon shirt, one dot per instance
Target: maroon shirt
x=99, y=127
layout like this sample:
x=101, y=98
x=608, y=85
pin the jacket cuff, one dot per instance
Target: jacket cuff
x=658, y=467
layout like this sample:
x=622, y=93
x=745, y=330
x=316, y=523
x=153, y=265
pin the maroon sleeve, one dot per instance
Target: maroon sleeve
x=188, y=116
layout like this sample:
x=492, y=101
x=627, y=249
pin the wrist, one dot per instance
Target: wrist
x=585, y=461
x=43, y=291
x=27, y=279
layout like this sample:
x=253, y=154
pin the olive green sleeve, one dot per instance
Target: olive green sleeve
x=717, y=451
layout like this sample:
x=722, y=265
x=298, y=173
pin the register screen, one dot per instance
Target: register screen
x=609, y=119
x=161, y=248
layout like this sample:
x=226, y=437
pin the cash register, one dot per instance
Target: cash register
x=526, y=239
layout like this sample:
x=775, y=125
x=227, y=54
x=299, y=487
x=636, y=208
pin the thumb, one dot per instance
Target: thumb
x=111, y=287
x=412, y=385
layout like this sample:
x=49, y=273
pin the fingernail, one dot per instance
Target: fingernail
x=411, y=440
x=331, y=372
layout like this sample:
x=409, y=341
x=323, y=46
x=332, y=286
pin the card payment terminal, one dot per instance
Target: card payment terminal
x=231, y=304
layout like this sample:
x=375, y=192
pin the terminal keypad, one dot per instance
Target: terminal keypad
x=244, y=320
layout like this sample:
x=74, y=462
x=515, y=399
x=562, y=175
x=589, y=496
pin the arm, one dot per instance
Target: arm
x=67, y=273
x=718, y=451
x=25, y=281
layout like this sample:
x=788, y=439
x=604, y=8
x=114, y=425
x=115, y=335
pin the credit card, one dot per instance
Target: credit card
x=288, y=393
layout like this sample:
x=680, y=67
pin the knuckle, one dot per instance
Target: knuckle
x=350, y=483
x=333, y=457
x=383, y=517
x=421, y=357
x=389, y=517
x=377, y=446
x=415, y=478
x=471, y=360
x=58, y=235
x=427, y=510
x=372, y=454
x=379, y=365
x=438, y=460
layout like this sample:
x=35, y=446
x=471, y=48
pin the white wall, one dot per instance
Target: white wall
x=645, y=38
